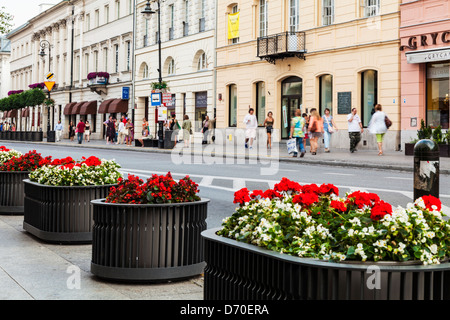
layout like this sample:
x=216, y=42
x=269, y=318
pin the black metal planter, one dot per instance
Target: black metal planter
x=140, y=243
x=12, y=192
x=61, y=214
x=240, y=271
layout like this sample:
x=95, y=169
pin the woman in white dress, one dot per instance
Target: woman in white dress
x=377, y=126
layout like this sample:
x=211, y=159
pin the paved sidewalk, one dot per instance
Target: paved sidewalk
x=391, y=160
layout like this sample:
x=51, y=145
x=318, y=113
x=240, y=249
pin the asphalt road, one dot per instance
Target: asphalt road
x=218, y=182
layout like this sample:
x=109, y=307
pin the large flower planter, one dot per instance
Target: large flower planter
x=153, y=242
x=37, y=136
x=241, y=271
x=61, y=214
x=12, y=192
x=444, y=150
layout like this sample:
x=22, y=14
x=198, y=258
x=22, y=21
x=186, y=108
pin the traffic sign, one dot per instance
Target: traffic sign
x=156, y=99
x=50, y=76
x=125, y=93
x=49, y=85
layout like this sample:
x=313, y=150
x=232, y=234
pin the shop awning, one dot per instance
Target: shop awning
x=118, y=106
x=77, y=107
x=68, y=108
x=25, y=113
x=104, y=106
x=12, y=113
x=89, y=107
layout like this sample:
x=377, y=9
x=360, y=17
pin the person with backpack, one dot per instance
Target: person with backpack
x=297, y=131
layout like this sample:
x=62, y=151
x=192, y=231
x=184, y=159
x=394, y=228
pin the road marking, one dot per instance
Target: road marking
x=339, y=174
x=398, y=178
x=241, y=182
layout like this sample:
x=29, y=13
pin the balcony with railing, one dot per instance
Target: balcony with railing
x=282, y=45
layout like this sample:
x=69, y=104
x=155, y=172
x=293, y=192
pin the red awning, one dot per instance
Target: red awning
x=25, y=113
x=68, y=108
x=89, y=107
x=104, y=106
x=12, y=113
x=118, y=106
x=76, y=109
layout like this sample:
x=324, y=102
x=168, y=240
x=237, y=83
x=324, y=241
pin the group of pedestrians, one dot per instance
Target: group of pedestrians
x=119, y=132
x=6, y=126
x=315, y=127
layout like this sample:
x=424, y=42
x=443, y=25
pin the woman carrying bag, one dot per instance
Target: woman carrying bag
x=329, y=127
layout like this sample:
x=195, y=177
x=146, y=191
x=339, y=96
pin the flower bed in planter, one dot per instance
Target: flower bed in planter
x=149, y=231
x=305, y=242
x=57, y=204
x=14, y=168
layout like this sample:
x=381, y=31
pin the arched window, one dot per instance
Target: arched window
x=260, y=102
x=201, y=63
x=171, y=66
x=144, y=71
x=325, y=93
x=232, y=105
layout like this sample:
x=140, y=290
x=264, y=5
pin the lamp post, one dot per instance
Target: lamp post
x=44, y=44
x=148, y=13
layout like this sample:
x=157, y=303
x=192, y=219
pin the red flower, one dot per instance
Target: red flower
x=257, y=193
x=270, y=194
x=361, y=199
x=242, y=196
x=380, y=209
x=306, y=199
x=431, y=201
x=287, y=185
x=328, y=189
x=3, y=148
x=310, y=188
x=338, y=205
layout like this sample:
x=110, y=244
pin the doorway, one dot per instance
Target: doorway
x=291, y=100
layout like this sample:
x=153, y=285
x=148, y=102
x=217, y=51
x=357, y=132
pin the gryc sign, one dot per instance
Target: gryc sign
x=425, y=40
x=428, y=56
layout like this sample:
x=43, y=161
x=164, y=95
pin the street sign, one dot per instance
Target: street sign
x=125, y=93
x=162, y=114
x=50, y=76
x=156, y=99
x=49, y=85
x=167, y=99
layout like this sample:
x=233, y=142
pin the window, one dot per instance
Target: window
x=327, y=12
x=262, y=18
x=130, y=6
x=171, y=17
x=235, y=9
x=106, y=14
x=105, y=59
x=438, y=94
x=371, y=8
x=202, y=65
x=128, y=55
x=97, y=18
x=171, y=67
x=145, y=73
x=116, y=58
x=369, y=95
x=261, y=102
x=96, y=61
x=88, y=22
x=186, y=18
x=117, y=9
x=201, y=25
x=293, y=15
x=232, y=105
x=326, y=93
x=86, y=63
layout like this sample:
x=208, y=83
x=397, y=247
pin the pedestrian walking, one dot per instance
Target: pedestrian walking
x=205, y=128
x=71, y=131
x=58, y=130
x=187, y=131
x=305, y=130
x=316, y=129
x=80, y=131
x=268, y=123
x=355, y=129
x=298, y=132
x=174, y=126
x=377, y=126
x=110, y=130
x=329, y=127
x=122, y=133
x=251, y=124
x=130, y=137
x=87, y=132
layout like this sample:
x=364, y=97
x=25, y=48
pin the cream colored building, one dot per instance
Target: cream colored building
x=5, y=54
x=187, y=59
x=85, y=36
x=293, y=54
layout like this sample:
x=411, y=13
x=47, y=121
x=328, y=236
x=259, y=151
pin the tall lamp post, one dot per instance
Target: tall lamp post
x=44, y=45
x=148, y=13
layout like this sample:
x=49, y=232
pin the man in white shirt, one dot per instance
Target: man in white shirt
x=58, y=130
x=251, y=124
x=355, y=129
x=121, y=133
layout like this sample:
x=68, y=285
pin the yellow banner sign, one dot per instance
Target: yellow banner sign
x=233, y=25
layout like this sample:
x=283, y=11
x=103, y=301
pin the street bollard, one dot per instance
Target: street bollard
x=426, y=169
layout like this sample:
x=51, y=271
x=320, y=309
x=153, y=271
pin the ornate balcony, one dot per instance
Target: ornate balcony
x=282, y=45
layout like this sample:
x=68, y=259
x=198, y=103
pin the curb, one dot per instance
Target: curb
x=285, y=159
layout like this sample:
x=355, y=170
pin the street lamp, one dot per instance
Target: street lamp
x=148, y=13
x=44, y=44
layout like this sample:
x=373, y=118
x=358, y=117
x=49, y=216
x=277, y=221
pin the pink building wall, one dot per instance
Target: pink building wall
x=421, y=19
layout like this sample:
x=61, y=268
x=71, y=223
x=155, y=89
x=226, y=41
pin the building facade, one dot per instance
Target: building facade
x=187, y=60
x=78, y=39
x=425, y=63
x=5, y=54
x=283, y=55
